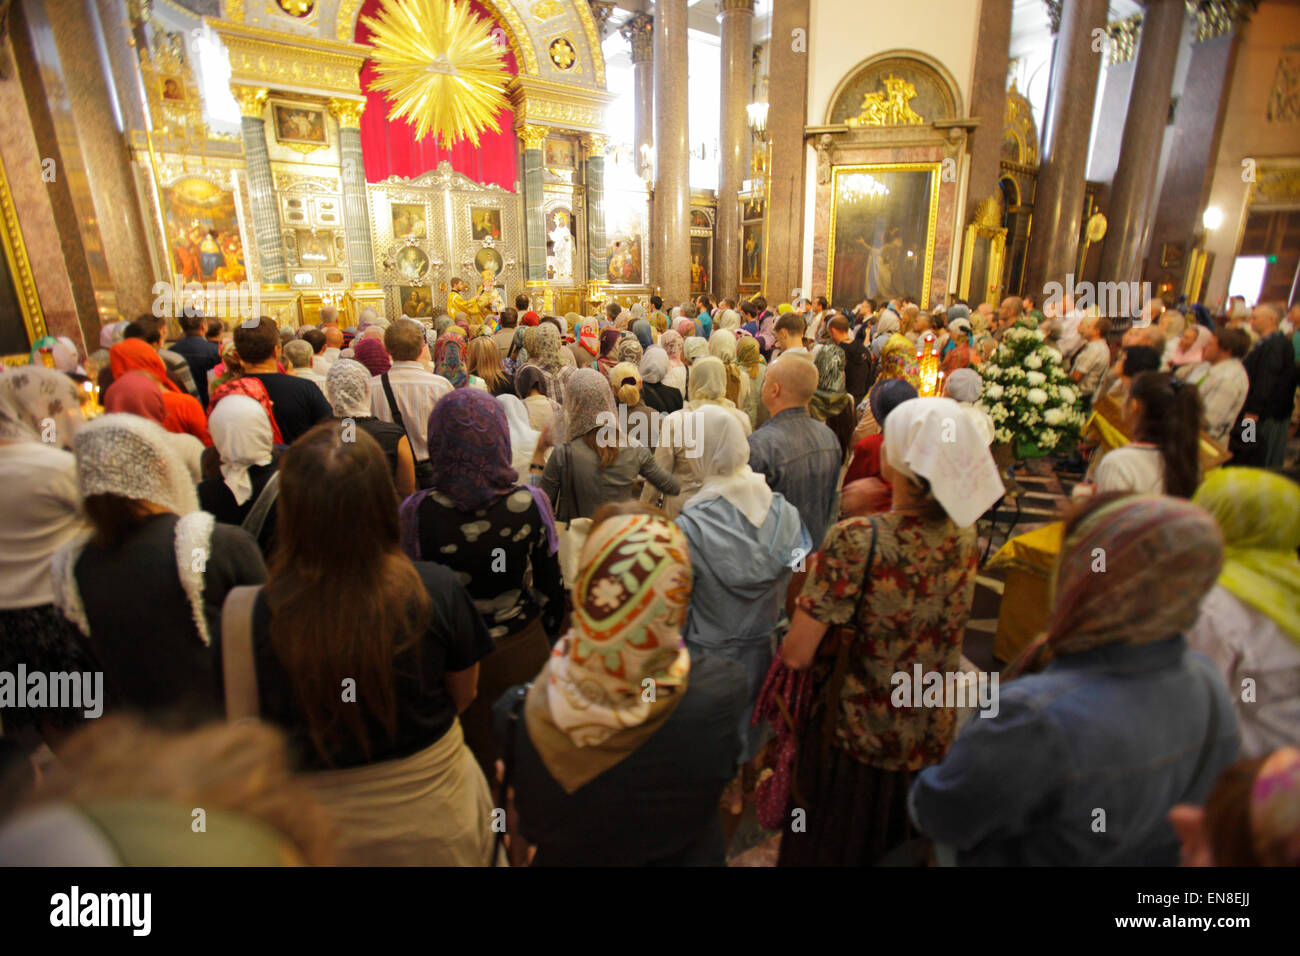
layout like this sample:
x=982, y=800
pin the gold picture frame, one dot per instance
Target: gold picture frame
x=20, y=271
x=983, y=252
x=874, y=183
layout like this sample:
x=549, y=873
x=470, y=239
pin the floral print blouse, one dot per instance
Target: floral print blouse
x=915, y=611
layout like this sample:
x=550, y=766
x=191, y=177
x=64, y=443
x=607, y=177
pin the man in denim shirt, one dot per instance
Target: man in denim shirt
x=799, y=456
x=1081, y=762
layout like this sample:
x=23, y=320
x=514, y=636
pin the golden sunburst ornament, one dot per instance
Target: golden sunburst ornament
x=439, y=66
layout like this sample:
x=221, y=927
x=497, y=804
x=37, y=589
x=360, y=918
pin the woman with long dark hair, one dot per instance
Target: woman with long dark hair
x=1162, y=458
x=365, y=659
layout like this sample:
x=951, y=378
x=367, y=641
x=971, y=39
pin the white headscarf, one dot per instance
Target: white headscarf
x=708, y=381
x=523, y=437
x=241, y=433
x=347, y=386
x=654, y=365
x=934, y=439
x=126, y=455
x=724, y=454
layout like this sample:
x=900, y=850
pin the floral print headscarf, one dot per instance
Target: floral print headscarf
x=898, y=360
x=449, y=361
x=588, y=708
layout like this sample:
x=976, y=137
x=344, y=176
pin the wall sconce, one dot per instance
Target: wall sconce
x=646, y=156
x=758, y=117
x=1212, y=218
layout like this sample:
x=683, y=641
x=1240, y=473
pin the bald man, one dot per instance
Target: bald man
x=333, y=343
x=799, y=456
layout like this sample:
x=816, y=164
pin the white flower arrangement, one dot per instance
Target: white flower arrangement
x=1029, y=397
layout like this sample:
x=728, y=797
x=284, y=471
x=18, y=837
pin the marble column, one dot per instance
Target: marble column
x=597, y=251
x=672, y=272
x=356, y=212
x=261, y=185
x=1058, y=202
x=737, y=20
x=988, y=102
x=639, y=33
x=532, y=138
x=1133, y=192
x=788, y=103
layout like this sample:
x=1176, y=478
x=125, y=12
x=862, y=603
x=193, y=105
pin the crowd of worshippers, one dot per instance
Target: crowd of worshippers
x=411, y=592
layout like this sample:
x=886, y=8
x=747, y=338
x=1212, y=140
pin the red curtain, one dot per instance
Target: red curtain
x=390, y=149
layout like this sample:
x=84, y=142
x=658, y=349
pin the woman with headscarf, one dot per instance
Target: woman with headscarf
x=1006, y=794
x=241, y=435
x=609, y=339
x=683, y=327
x=901, y=584
x=642, y=421
x=499, y=539
x=594, y=462
x=728, y=319
x=964, y=386
x=744, y=540
x=674, y=347
x=895, y=359
x=749, y=359
x=641, y=329
x=372, y=354
x=722, y=346
x=960, y=354
x=677, y=452
x=831, y=403
x=347, y=386
x=547, y=354
x=148, y=609
x=585, y=734
x=693, y=349
x=40, y=512
x=138, y=393
x=531, y=386
x=449, y=362
x=342, y=609
x=184, y=414
x=1249, y=622
x=586, y=347
x=523, y=436
x=628, y=351
x=663, y=398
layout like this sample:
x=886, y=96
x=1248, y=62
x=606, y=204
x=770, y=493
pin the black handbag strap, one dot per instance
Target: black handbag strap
x=392, y=403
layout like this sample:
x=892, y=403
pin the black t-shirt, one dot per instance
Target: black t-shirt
x=142, y=627
x=298, y=404
x=203, y=356
x=656, y=807
x=496, y=553
x=216, y=498
x=388, y=434
x=456, y=640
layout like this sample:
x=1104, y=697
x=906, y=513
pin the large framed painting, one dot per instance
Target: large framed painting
x=751, y=254
x=416, y=301
x=203, y=231
x=701, y=264
x=882, y=232
x=408, y=220
x=485, y=223
x=302, y=125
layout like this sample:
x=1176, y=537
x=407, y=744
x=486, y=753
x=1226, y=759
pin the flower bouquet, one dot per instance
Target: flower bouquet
x=1036, y=409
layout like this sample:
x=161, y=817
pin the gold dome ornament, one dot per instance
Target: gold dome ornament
x=438, y=66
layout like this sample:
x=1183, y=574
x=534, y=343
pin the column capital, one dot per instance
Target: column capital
x=735, y=6
x=639, y=31
x=595, y=144
x=1214, y=18
x=532, y=136
x=251, y=100
x=347, y=112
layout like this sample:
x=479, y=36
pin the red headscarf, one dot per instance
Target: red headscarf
x=184, y=414
x=137, y=393
x=530, y=318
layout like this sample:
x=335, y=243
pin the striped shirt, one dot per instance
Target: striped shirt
x=416, y=391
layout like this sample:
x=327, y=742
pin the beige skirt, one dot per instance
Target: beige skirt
x=432, y=808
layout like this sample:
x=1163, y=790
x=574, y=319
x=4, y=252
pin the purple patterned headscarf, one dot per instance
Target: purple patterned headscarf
x=372, y=354
x=469, y=448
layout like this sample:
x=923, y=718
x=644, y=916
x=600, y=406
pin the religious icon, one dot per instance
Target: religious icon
x=699, y=265
x=315, y=249
x=559, y=245
x=625, y=260
x=559, y=152
x=203, y=232
x=173, y=88
x=408, y=220
x=412, y=264
x=752, y=247
x=486, y=223
x=882, y=238
x=700, y=219
x=488, y=258
x=752, y=209
x=294, y=124
x=417, y=301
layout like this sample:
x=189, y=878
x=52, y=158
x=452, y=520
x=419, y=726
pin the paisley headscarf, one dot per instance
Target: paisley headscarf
x=830, y=398
x=32, y=396
x=469, y=449
x=372, y=354
x=628, y=350
x=1137, y=600
x=587, y=709
x=547, y=352
x=587, y=397
x=1258, y=513
x=675, y=346
x=898, y=360
x=449, y=361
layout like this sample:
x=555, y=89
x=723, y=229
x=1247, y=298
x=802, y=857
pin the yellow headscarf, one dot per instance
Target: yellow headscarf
x=1259, y=515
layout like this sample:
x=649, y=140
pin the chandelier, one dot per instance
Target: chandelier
x=858, y=186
